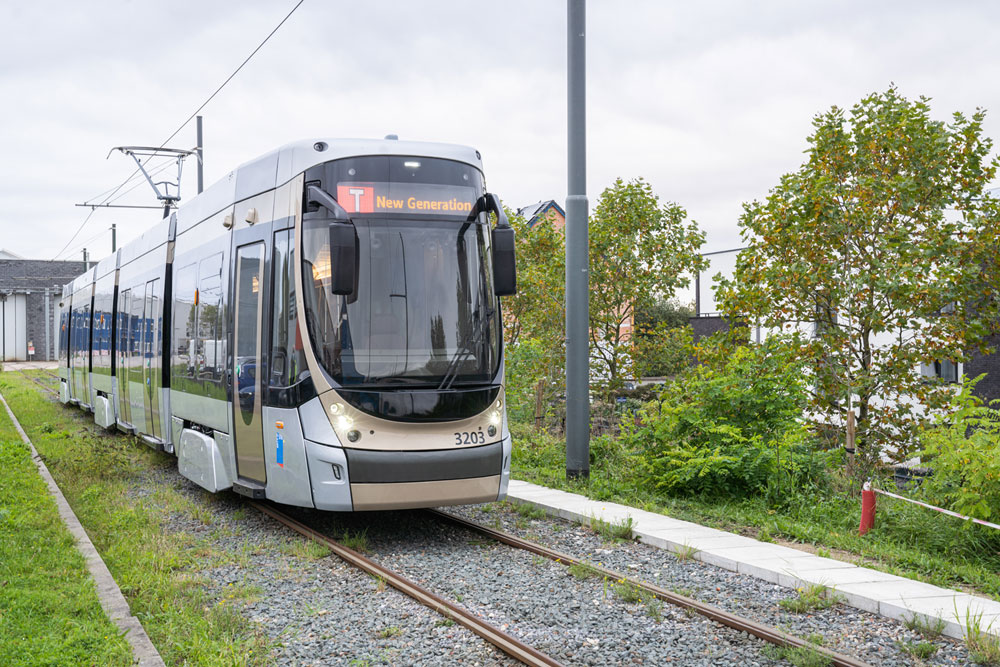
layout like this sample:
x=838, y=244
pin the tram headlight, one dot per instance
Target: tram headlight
x=344, y=422
x=354, y=435
x=337, y=409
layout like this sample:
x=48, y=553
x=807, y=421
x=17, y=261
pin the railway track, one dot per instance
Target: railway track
x=41, y=384
x=511, y=645
x=502, y=640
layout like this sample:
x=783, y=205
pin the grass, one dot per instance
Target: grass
x=929, y=627
x=49, y=611
x=800, y=656
x=392, y=631
x=529, y=511
x=613, y=531
x=984, y=647
x=582, y=571
x=304, y=548
x=907, y=540
x=919, y=650
x=685, y=552
x=154, y=567
x=810, y=598
x=357, y=541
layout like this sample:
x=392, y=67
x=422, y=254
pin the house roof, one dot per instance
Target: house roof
x=7, y=254
x=533, y=212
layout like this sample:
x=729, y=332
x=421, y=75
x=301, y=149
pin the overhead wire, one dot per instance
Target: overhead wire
x=182, y=125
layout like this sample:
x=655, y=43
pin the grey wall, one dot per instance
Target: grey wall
x=33, y=277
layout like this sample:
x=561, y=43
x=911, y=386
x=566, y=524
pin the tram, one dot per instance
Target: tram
x=320, y=328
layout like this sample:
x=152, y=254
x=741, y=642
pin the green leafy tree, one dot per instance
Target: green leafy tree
x=639, y=249
x=884, y=247
x=534, y=318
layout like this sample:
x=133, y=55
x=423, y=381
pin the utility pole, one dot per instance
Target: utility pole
x=113, y=244
x=577, y=252
x=86, y=264
x=201, y=164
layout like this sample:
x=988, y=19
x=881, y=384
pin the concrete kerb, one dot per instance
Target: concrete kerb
x=110, y=596
x=866, y=589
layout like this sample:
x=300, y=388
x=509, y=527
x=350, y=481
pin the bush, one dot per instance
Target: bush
x=734, y=431
x=963, y=450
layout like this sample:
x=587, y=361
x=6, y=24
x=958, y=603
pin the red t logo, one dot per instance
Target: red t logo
x=356, y=198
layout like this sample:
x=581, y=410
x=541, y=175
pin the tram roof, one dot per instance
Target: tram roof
x=282, y=164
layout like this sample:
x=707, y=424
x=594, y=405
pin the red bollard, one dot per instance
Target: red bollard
x=867, y=509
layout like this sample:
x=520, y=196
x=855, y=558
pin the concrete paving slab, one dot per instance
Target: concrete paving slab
x=772, y=569
x=864, y=588
x=833, y=577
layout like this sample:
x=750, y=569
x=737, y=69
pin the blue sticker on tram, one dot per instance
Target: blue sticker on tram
x=281, y=451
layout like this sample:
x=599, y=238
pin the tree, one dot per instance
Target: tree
x=639, y=250
x=534, y=318
x=884, y=248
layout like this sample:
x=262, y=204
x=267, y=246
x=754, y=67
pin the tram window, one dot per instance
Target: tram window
x=287, y=365
x=185, y=322
x=211, y=345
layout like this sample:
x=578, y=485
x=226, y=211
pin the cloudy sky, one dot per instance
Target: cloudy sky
x=710, y=101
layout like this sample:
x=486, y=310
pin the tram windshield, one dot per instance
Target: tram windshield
x=424, y=314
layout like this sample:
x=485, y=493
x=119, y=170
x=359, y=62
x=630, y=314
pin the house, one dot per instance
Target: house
x=544, y=209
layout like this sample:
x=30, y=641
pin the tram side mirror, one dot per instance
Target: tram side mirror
x=504, y=269
x=343, y=258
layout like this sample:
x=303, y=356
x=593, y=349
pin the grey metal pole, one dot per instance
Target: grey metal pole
x=577, y=255
x=201, y=166
x=114, y=231
x=697, y=293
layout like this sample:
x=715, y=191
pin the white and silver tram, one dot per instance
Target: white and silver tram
x=320, y=328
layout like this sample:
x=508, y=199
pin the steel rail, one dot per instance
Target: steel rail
x=39, y=383
x=765, y=632
x=505, y=642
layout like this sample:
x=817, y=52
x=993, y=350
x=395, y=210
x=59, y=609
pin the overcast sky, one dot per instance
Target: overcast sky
x=709, y=101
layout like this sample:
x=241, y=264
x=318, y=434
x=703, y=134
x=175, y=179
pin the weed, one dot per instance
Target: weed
x=654, y=608
x=391, y=631
x=304, y=548
x=614, y=531
x=520, y=523
x=627, y=591
x=538, y=561
x=799, y=656
x=764, y=535
x=921, y=650
x=357, y=541
x=931, y=628
x=811, y=598
x=530, y=511
x=983, y=646
x=445, y=622
x=686, y=592
x=583, y=571
x=685, y=552
x=823, y=553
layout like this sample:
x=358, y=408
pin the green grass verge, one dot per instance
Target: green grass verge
x=907, y=540
x=49, y=611
x=155, y=568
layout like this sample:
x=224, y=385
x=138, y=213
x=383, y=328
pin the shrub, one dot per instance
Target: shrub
x=735, y=430
x=963, y=450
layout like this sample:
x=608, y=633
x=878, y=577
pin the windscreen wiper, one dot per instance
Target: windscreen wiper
x=467, y=347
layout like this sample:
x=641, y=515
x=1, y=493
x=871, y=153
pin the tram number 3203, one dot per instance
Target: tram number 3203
x=470, y=437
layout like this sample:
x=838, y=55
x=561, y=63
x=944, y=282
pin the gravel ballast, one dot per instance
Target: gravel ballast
x=318, y=610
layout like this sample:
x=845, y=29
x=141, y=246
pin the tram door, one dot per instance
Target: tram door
x=151, y=358
x=246, y=376
x=124, y=327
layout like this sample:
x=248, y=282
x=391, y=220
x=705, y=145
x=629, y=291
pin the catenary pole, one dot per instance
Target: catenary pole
x=114, y=239
x=577, y=256
x=201, y=165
